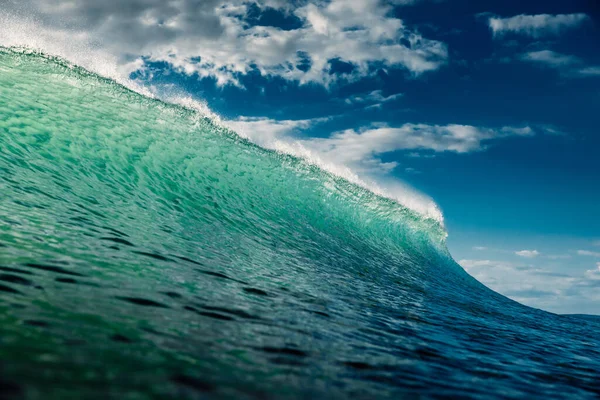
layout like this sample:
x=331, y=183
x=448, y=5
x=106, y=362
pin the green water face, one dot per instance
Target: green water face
x=146, y=252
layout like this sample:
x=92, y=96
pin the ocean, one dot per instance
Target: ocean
x=148, y=252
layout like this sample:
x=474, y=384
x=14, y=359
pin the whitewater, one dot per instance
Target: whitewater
x=148, y=251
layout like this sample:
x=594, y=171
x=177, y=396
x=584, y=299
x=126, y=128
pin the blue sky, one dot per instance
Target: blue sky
x=490, y=108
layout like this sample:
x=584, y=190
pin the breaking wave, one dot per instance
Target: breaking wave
x=147, y=251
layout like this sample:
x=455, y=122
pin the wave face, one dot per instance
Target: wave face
x=146, y=252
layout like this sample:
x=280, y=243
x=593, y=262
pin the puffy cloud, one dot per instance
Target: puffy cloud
x=535, y=25
x=213, y=38
x=527, y=253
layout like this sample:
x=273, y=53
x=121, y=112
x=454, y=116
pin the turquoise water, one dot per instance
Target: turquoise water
x=146, y=252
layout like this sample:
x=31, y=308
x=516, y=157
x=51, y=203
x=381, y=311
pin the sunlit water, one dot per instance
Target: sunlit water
x=147, y=253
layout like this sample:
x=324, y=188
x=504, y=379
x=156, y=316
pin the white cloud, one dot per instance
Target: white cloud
x=536, y=25
x=596, y=243
x=479, y=248
x=550, y=58
x=361, y=148
x=527, y=253
x=569, y=66
x=361, y=33
x=588, y=253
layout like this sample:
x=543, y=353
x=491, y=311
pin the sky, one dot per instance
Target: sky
x=490, y=108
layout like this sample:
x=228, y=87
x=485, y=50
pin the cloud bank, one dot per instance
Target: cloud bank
x=217, y=39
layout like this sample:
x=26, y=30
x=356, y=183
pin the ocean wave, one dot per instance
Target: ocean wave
x=148, y=252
